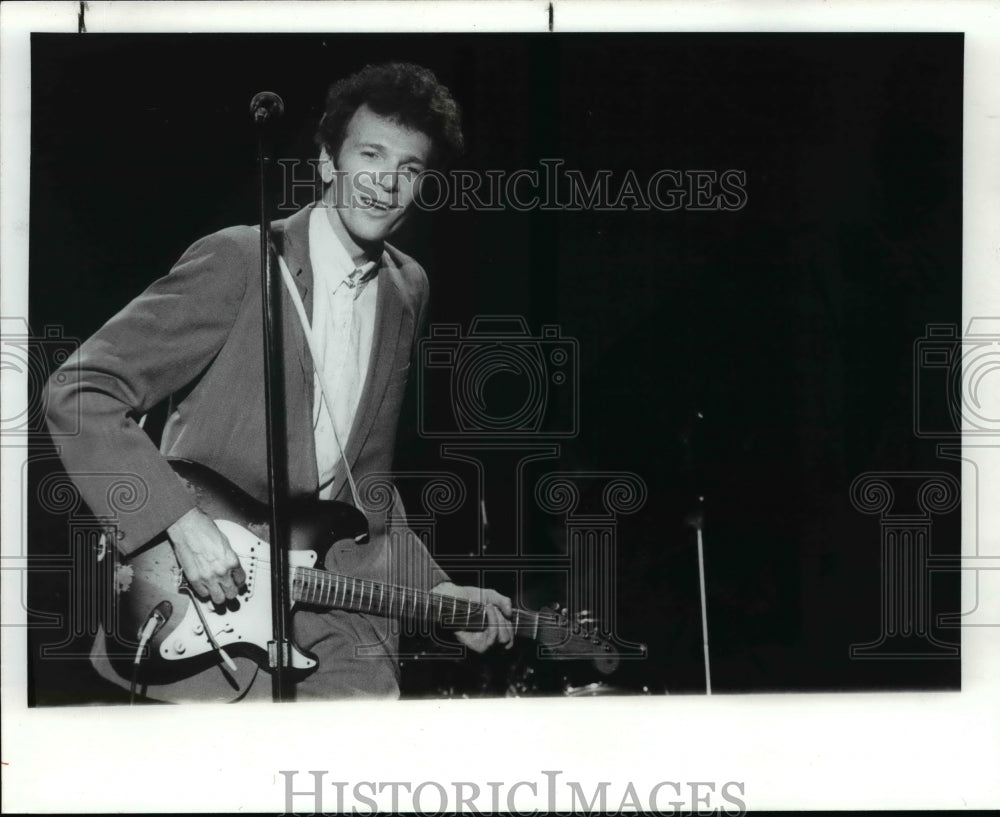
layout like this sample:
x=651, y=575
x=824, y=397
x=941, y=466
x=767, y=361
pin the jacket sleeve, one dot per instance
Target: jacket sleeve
x=159, y=343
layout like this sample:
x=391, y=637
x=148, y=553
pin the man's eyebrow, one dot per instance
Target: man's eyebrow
x=379, y=146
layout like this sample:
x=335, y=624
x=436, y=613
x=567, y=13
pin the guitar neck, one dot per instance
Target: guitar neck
x=321, y=588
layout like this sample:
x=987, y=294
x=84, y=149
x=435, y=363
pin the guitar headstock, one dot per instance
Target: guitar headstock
x=566, y=636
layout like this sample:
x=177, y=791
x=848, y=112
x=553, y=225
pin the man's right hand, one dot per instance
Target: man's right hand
x=211, y=566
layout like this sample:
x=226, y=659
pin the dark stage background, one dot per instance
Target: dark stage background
x=788, y=325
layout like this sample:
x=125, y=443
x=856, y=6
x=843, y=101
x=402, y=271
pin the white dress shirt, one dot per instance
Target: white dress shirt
x=343, y=321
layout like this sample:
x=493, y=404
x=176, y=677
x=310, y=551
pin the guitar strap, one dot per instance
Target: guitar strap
x=300, y=310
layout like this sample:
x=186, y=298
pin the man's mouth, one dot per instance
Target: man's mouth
x=369, y=203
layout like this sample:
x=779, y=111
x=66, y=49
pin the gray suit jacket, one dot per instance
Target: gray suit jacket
x=194, y=337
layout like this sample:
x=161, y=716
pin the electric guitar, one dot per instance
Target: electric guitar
x=174, y=635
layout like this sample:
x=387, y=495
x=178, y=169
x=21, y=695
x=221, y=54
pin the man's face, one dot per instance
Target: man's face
x=374, y=178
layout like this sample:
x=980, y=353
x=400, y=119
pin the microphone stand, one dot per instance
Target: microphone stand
x=265, y=107
x=696, y=520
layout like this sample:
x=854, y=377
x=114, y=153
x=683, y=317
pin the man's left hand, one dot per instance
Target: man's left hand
x=498, y=613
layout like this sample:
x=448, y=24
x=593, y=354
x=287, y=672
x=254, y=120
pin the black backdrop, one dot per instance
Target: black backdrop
x=788, y=325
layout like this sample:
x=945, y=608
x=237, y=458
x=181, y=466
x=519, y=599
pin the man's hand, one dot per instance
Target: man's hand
x=211, y=566
x=498, y=613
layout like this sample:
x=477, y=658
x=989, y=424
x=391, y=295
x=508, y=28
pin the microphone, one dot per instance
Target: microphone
x=266, y=107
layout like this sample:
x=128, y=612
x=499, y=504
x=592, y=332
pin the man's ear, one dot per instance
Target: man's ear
x=327, y=168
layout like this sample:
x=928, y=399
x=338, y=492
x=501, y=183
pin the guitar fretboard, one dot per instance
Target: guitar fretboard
x=332, y=590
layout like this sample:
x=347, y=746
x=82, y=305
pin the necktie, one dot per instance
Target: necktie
x=347, y=384
x=342, y=366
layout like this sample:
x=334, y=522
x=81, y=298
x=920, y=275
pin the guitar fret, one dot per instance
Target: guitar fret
x=314, y=586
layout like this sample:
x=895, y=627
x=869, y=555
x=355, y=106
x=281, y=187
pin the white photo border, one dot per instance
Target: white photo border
x=801, y=751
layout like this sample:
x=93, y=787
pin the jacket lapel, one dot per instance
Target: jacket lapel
x=291, y=238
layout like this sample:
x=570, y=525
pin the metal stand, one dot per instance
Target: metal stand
x=690, y=438
x=265, y=107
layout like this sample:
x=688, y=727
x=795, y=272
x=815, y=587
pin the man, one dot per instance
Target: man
x=194, y=337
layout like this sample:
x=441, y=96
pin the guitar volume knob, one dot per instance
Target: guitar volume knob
x=179, y=647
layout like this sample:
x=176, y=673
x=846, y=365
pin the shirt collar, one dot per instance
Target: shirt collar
x=327, y=251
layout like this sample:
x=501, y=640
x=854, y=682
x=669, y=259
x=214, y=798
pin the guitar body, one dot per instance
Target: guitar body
x=206, y=652
x=180, y=656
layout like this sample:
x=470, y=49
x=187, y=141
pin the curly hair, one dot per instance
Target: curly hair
x=408, y=94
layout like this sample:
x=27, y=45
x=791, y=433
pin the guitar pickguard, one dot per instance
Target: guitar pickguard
x=243, y=620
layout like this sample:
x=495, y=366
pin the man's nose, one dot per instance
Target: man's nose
x=388, y=180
